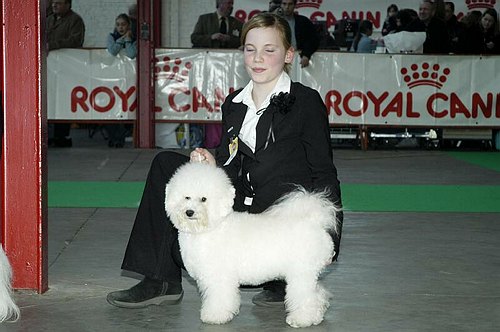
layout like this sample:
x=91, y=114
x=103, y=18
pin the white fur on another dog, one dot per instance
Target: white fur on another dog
x=8, y=308
x=222, y=249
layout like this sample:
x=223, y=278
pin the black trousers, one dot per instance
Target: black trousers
x=153, y=247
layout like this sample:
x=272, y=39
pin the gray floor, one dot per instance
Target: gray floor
x=397, y=271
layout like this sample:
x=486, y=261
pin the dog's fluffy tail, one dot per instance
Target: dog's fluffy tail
x=314, y=206
x=8, y=309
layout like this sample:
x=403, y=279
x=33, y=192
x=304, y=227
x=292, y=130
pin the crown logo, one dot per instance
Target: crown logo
x=172, y=69
x=309, y=3
x=474, y=4
x=425, y=75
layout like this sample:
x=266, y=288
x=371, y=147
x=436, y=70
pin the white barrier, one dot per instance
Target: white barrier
x=358, y=89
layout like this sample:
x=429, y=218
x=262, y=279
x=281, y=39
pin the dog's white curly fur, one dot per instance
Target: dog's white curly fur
x=222, y=249
x=9, y=311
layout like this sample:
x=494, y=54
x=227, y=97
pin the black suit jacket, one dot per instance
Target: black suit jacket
x=299, y=154
x=208, y=24
x=307, y=36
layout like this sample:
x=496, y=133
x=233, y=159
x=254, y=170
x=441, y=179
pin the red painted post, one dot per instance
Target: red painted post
x=24, y=173
x=145, y=83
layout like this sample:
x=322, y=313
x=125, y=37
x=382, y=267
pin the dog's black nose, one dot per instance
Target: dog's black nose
x=189, y=213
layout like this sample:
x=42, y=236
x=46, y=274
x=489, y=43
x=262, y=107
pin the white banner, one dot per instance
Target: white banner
x=358, y=89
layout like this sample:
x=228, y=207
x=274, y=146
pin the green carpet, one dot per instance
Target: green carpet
x=356, y=197
x=489, y=160
x=88, y=194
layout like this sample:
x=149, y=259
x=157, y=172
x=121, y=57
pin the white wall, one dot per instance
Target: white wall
x=178, y=19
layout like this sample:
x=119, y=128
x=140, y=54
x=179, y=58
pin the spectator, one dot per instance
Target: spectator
x=390, y=20
x=305, y=38
x=437, y=40
x=121, y=39
x=265, y=164
x=362, y=42
x=65, y=29
x=452, y=24
x=219, y=29
x=439, y=9
x=407, y=20
x=275, y=7
x=132, y=15
x=489, y=29
x=470, y=38
x=410, y=35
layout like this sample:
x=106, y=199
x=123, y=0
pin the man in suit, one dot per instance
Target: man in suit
x=305, y=37
x=218, y=29
x=65, y=29
x=437, y=40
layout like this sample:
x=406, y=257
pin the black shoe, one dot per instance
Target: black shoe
x=270, y=298
x=147, y=292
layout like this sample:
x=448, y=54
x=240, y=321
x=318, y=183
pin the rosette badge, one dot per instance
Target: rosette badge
x=282, y=102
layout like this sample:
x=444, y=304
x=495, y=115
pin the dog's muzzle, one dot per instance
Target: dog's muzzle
x=189, y=213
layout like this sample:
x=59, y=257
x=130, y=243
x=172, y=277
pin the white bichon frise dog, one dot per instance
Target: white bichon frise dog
x=223, y=249
x=8, y=309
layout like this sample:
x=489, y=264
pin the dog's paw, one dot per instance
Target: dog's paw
x=209, y=316
x=302, y=319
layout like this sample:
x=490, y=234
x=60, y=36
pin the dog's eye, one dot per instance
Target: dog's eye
x=203, y=199
x=188, y=198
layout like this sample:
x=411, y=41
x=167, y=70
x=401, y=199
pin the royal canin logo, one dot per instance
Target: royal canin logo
x=425, y=75
x=172, y=69
x=475, y=4
x=309, y=3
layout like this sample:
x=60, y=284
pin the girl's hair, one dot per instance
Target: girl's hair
x=493, y=13
x=364, y=27
x=393, y=6
x=270, y=20
x=124, y=17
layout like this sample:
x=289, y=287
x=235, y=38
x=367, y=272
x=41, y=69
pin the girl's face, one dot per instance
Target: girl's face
x=265, y=56
x=392, y=12
x=121, y=26
x=487, y=22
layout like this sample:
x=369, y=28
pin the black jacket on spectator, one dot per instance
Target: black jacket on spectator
x=454, y=28
x=470, y=40
x=306, y=35
x=437, y=40
x=488, y=37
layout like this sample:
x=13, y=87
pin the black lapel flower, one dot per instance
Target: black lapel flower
x=282, y=102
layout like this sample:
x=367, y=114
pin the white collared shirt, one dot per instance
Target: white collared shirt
x=248, y=132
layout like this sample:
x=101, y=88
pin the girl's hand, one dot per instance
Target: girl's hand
x=200, y=155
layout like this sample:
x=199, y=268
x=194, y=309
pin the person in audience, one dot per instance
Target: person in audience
x=362, y=42
x=489, y=29
x=437, y=39
x=262, y=167
x=439, y=9
x=305, y=37
x=454, y=27
x=132, y=15
x=470, y=38
x=390, y=20
x=121, y=39
x=409, y=36
x=65, y=29
x=217, y=30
